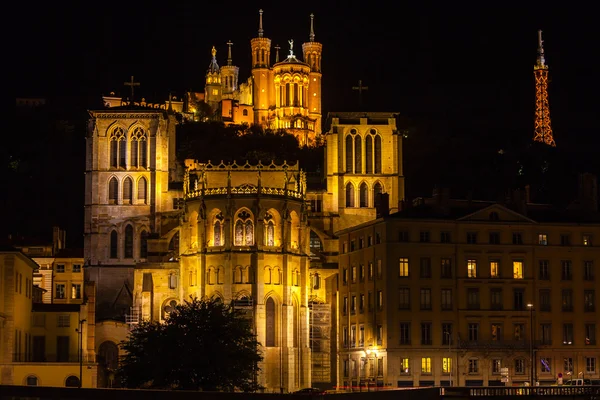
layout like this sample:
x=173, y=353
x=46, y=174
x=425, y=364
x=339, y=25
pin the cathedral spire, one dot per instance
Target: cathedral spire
x=312, y=29
x=277, y=53
x=260, y=27
x=229, y=61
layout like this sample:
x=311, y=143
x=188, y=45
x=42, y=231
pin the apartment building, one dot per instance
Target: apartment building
x=450, y=292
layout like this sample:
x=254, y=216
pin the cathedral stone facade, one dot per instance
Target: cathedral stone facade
x=260, y=237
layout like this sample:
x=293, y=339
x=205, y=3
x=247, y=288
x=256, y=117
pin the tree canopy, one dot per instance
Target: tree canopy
x=215, y=142
x=203, y=345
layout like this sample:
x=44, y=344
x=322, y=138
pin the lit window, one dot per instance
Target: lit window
x=76, y=291
x=494, y=268
x=472, y=268
x=404, y=366
x=518, y=269
x=426, y=365
x=446, y=365
x=587, y=240
x=543, y=239
x=403, y=267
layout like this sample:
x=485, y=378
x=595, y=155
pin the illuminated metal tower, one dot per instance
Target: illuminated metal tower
x=543, y=129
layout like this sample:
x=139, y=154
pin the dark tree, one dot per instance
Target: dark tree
x=203, y=345
x=215, y=142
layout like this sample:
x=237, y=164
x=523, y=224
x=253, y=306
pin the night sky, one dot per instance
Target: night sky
x=461, y=75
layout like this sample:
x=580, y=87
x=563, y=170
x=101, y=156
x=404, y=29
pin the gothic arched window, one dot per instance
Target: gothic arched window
x=117, y=148
x=218, y=233
x=114, y=244
x=270, y=323
x=142, y=188
x=128, y=241
x=349, y=195
x=377, y=154
x=244, y=229
x=357, y=155
x=245, y=113
x=113, y=190
x=349, y=154
x=127, y=190
x=138, y=148
x=144, y=244
x=364, y=200
x=270, y=237
x=369, y=154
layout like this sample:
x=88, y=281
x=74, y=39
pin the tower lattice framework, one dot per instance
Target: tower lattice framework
x=543, y=127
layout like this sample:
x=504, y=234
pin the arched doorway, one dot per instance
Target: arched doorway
x=108, y=362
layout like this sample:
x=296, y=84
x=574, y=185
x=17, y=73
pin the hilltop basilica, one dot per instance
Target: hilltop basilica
x=258, y=235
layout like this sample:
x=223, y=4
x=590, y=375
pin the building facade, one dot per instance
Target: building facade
x=151, y=237
x=43, y=344
x=469, y=293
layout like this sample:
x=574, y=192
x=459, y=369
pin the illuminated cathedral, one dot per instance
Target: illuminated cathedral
x=283, y=95
x=257, y=236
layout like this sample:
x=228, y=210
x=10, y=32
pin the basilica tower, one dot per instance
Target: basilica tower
x=262, y=75
x=229, y=75
x=312, y=52
x=213, y=90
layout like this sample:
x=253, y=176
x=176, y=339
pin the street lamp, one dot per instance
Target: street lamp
x=531, y=333
x=372, y=352
x=80, y=331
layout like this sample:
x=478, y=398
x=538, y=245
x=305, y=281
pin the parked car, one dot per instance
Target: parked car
x=578, y=382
